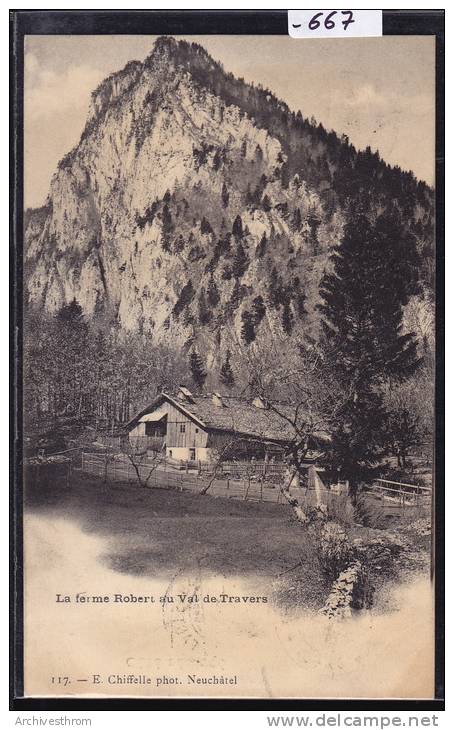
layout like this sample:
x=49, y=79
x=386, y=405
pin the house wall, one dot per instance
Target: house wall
x=183, y=453
x=193, y=435
x=178, y=442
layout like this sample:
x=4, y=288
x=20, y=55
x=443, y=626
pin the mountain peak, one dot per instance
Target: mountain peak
x=181, y=53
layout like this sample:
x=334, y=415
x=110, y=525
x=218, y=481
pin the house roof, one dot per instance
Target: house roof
x=154, y=416
x=235, y=414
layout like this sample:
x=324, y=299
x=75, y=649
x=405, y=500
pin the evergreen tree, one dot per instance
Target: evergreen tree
x=258, y=154
x=259, y=309
x=225, y=196
x=301, y=304
x=237, y=228
x=213, y=293
x=313, y=221
x=373, y=276
x=205, y=226
x=266, y=203
x=247, y=327
x=287, y=319
x=226, y=376
x=185, y=298
x=240, y=262
x=198, y=371
x=296, y=220
x=204, y=312
x=167, y=227
x=261, y=248
x=178, y=245
x=217, y=159
x=71, y=314
x=236, y=296
x=375, y=273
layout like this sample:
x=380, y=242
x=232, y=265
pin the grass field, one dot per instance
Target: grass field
x=160, y=532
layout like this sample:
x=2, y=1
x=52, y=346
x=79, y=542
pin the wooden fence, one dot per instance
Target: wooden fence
x=254, y=487
x=401, y=494
x=237, y=480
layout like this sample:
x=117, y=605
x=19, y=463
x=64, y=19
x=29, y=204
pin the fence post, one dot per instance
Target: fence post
x=261, y=489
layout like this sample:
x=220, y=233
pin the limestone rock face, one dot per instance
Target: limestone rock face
x=182, y=212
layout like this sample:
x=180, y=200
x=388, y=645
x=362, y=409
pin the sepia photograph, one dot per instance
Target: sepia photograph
x=229, y=366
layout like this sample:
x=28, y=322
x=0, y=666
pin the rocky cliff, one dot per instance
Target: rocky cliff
x=197, y=208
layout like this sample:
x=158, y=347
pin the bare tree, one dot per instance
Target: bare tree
x=309, y=400
x=407, y=424
x=223, y=447
x=143, y=462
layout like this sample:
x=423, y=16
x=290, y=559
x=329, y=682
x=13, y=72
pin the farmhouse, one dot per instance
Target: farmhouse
x=200, y=427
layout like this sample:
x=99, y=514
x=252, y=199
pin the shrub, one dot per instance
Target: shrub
x=333, y=548
x=369, y=513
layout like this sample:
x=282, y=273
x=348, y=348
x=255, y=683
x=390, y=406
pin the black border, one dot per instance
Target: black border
x=198, y=22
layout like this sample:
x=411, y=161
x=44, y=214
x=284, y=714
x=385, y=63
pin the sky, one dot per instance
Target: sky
x=378, y=91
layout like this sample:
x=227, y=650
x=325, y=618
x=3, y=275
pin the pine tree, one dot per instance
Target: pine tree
x=296, y=220
x=240, y=262
x=266, y=204
x=287, y=319
x=178, y=245
x=259, y=308
x=167, y=227
x=217, y=159
x=226, y=376
x=247, y=327
x=204, y=312
x=205, y=226
x=185, y=298
x=301, y=304
x=236, y=296
x=71, y=313
x=374, y=274
x=225, y=196
x=261, y=248
x=237, y=228
x=213, y=293
x=198, y=371
x=313, y=221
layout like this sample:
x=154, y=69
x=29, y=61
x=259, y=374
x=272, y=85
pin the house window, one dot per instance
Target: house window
x=182, y=428
x=191, y=454
x=197, y=430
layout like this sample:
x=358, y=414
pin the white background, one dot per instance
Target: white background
x=195, y=719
